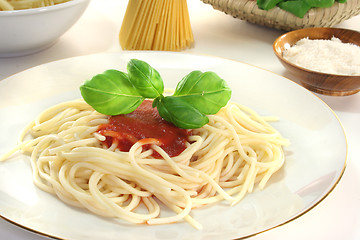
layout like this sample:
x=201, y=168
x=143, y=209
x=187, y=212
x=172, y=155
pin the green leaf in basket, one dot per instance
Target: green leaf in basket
x=298, y=7
x=267, y=4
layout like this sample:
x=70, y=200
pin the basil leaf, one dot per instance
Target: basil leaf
x=206, y=91
x=267, y=4
x=111, y=93
x=145, y=78
x=297, y=7
x=179, y=112
x=320, y=3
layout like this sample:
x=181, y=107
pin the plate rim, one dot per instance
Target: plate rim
x=298, y=215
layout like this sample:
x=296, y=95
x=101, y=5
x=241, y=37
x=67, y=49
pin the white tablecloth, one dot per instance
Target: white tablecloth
x=218, y=34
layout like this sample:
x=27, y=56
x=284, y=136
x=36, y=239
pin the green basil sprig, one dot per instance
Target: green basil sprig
x=297, y=7
x=198, y=94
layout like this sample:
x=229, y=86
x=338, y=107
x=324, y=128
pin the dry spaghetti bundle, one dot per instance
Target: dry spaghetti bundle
x=9, y=5
x=156, y=25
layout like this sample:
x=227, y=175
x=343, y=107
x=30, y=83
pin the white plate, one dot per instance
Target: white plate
x=315, y=160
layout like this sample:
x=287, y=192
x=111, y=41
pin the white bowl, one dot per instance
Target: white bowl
x=27, y=31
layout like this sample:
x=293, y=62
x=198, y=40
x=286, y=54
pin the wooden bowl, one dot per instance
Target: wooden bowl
x=323, y=83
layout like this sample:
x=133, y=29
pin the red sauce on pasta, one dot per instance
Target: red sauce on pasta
x=144, y=124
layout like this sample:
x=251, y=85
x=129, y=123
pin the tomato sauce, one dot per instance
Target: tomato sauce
x=146, y=125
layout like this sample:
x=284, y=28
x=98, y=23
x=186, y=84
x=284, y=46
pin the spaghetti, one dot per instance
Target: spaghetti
x=156, y=25
x=10, y=5
x=224, y=160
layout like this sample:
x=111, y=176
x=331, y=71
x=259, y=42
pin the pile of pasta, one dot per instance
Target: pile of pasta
x=224, y=160
x=9, y=5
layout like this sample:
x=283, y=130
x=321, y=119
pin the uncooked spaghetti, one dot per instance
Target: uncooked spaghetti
x=156, y=25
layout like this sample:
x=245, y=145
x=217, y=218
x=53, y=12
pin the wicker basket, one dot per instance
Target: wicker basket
x=280, y=19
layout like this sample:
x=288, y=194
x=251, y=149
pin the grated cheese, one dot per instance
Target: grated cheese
x=326, y=56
